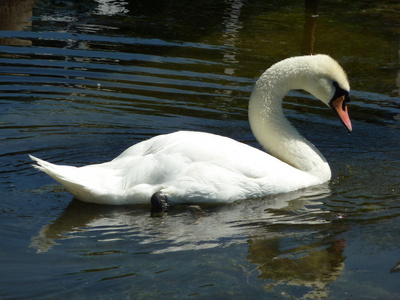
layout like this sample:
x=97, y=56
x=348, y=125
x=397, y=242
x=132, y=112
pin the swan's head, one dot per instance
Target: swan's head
x=320, y=75
x=327, y=81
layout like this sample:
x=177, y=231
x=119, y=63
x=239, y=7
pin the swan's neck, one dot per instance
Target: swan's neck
x=274, y=132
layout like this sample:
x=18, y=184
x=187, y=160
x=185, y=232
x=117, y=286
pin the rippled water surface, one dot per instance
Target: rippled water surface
x=80, y=81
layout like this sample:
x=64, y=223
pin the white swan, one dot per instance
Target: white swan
x=197, y=167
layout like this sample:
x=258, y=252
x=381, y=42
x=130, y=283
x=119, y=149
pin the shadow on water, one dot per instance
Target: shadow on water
x=291, y=238
x=209, y=222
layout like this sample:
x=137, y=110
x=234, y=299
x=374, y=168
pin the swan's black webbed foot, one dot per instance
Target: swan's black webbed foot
x=159, y=201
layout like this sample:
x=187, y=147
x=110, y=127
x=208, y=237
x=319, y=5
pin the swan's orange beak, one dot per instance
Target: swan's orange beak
x=340, y=108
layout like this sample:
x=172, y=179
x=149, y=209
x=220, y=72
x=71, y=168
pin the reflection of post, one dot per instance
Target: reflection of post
x=311, y=15
x=15, y=15
x=398, y=75
x=397, y=116
x=308, y=263
x=232, y=25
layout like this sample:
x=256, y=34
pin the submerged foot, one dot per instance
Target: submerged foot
x=159, y=201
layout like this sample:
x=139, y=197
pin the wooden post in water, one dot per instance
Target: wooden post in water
x=311, y=15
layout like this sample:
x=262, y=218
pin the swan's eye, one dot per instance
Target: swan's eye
x=339, y=92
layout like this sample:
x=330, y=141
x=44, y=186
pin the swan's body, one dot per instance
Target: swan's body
x=194, y=167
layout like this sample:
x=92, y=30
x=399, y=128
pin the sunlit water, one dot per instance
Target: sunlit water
x=81, y=82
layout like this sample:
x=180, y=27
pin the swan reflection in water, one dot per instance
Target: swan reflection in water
x=290, y=237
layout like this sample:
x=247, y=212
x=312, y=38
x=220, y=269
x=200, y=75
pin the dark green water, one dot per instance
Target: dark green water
x=80, y=81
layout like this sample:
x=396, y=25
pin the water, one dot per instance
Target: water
x=82, y=81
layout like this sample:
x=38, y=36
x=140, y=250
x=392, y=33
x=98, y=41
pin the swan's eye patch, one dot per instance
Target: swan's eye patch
x=339, y=92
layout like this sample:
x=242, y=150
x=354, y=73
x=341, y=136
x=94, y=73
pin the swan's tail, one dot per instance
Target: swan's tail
x=70, y=177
